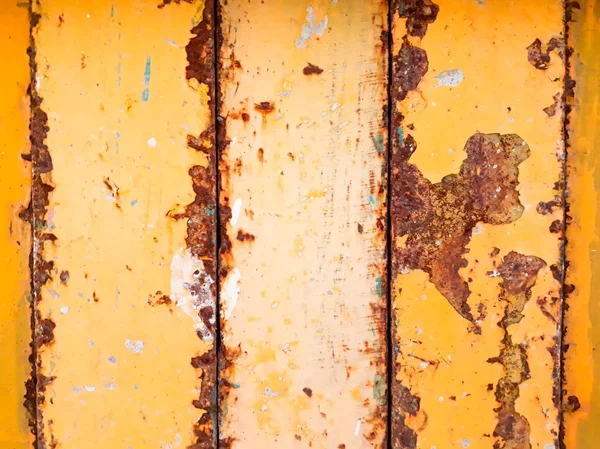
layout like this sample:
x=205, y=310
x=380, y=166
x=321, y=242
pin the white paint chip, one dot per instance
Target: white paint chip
x=135, y=346
x=450, y=78
x=187, y=270
x=64, y=310
x=311, y=27
x=152, y=142
x=357, y=428
x=231, y=291
x=235, y=212
x=465, y=443
x=90, y=388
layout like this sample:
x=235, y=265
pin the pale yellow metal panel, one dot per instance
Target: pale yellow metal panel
x=303, y=200
x=582, y=333
x=475, y=255
x=125, y=288
x=15, y=181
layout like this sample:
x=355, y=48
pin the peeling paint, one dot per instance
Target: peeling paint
x=311, y=27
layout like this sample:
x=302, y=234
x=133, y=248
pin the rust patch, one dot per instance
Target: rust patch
x=403, y=437
x=551, y=110
x=572, y=404
x=42, y=328
x=547, y=207
x=519, y=274
x=438, y=219
x=409, y=65
x=177, y=2
x=264, y=107
x=64, y=277
x=308, y=392
x=418, y=14
x=244, y=236
x=312, y=69
x=538, y=54
x=201, y=226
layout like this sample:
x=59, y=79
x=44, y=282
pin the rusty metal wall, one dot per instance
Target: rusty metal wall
x=275, y=223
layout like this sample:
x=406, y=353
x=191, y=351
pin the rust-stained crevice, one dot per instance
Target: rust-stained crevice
x=201, y=236
x=42, y=328
x=405, y=71
x=567, y=101
x=519, y=274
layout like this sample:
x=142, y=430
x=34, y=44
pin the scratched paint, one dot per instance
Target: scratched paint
x=129, y=291
x=581, y=335
x=303, y=213
x=476, y=360
x=15, y=181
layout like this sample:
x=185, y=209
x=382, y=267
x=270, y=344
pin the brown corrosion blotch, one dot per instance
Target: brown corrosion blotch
x=245, y=236
x=572, y=404
x=538, y=54
x=64, y=277
x=260, y=154
x=409, y=66
x=404, y=402
x=519, y=274
x=547, y=207
x=551, y=110
x=308, y=392
x=264, y=107
x=418, y=14
x=312, y=69
x=438, y=219
x=201, y=223
x=177, y=2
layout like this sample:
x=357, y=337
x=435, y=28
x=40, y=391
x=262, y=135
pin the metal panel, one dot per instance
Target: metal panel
x=303, y=200
x=582, y=333
x=477, y=184
x=15, y=233
x=123, y=209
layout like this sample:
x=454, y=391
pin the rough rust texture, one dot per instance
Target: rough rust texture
x=538, y=56
x=408, y=66
x=42, y=329
x=519, y=274
x=312, y=69
x=201, y=224
x=438, y=219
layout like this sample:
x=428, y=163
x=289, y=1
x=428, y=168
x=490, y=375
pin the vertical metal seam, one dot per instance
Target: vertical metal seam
x=388, y=233
x=33, y=322
x=564, y=198
x=216, y=115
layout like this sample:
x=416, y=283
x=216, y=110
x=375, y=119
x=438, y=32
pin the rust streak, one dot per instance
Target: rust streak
x=42, y=329
x=519, y=274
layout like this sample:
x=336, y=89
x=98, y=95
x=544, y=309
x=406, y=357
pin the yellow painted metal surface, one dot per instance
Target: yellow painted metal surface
x=15, y=334
x=303, y=209
x=273, y=132
x=582, y=363
x=476, y=306
x=112, y=77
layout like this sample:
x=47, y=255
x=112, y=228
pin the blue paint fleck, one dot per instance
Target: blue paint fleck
x=372, y=201
x=134, y=202
x=147, y=75
x=378, y=141
x=209, y=211
x=401, y=135
x=379, y=285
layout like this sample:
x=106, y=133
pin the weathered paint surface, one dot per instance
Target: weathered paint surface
x=124, y=218
x=581, y=393
x=15, y=333
x=477, y=160
x=302, y=136
x=118, y=185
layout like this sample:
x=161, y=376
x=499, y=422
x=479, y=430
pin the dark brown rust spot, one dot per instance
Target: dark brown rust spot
x=260, y=154
x=177, y=2
x=64, y=277
x=409, y=65
x=404, y=402
x=244, y=236
x=556, y=227
x=418, y=14
x=538, y=56
x=264, y=107
x=312, y=69
x=308, y=392
x=439, y=218
x=519, y=274
x=547, y=207
x=572, y=404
